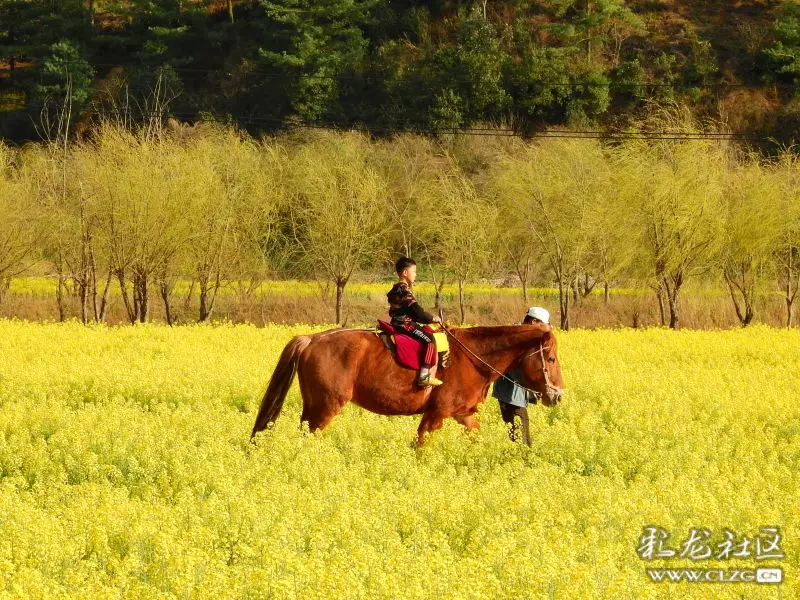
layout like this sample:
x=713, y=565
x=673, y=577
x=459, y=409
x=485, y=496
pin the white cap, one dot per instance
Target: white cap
x=537, y=312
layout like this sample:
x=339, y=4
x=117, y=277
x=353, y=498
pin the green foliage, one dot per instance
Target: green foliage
x=539, y=83
x=420, y=66
x=784, y=53
x=166, y=31
x=589, y=99
x=666, y=76
x=446, y=113
x=628, y=81
x=472, y=69
x=323, y=42
x=700, y=69
x=28, y=29
x=65, y=75
x=597, y=27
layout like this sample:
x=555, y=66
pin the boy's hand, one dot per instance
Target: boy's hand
x=437, y=320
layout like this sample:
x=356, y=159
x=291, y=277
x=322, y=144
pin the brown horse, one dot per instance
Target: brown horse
x=352, y=365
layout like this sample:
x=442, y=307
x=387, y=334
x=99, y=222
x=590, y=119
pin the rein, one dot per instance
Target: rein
x=502, y=375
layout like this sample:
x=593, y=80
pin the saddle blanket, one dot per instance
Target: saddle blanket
x=409, y=351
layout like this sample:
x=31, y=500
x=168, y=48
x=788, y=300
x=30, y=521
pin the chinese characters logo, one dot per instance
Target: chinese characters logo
x=654, y=543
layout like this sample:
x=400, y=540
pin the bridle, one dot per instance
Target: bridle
x=548, y=385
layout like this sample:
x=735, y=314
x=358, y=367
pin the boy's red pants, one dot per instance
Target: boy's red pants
x=426, y=337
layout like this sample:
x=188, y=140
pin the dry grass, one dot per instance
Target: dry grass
x=309, y=303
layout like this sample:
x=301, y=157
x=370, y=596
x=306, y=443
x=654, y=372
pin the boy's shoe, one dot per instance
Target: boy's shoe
x=428, y=380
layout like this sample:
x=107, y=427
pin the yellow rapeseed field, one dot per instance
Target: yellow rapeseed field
x=126, y=472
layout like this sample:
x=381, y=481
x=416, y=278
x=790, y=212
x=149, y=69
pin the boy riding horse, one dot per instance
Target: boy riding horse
x=406, y=314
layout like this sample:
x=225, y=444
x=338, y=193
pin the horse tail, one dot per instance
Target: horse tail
x=280, y=382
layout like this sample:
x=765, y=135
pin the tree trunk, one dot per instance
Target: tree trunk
x=129, y=306
x=437, y=303
x=145, y=316
x=744, y=310
x=93, y=282
x=563, y=305
x=141, y=296
x=144, y=313
x=204, y=313
x=84, y=279
x=588, y=285
x=605, y=292
x=576, y=291
x=217, y=283
x=522, y=274
x=166, y=292
x=208, y=297
x=461, y=301
x=673, y=299
x=674, y=311
x=660, y=296
x=188, y=301
x=340, y=284
x=60, y=293
x=790, y=295
x=101, y=316
x=83, y=289
x=589, y=33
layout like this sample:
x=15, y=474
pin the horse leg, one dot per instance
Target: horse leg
x=468, y=421
x=319, y=415
x=429, y=422
x=319, y=405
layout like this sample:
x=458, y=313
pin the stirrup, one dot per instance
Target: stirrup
x=429, y=380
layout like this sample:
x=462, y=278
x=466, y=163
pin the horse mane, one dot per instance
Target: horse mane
x=493, y=337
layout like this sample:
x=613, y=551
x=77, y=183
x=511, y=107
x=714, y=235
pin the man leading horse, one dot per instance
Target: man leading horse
x=513, y=397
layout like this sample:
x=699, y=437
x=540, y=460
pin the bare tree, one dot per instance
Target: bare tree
x=410, y=166
x=750, y=232
x=467, y=223
x=786, y=253
x=337, y=212
x=516, y=247
x=676, y=192
x=21, y=233
x=55, y=122
x=234, y=220
x=143, y=186
x=553, y=188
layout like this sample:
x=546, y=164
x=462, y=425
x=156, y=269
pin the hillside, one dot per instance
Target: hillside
x=427, y=66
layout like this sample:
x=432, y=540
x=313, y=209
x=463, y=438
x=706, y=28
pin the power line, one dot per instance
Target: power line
x=265, y=73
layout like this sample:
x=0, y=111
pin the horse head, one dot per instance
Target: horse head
x=541, y=369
